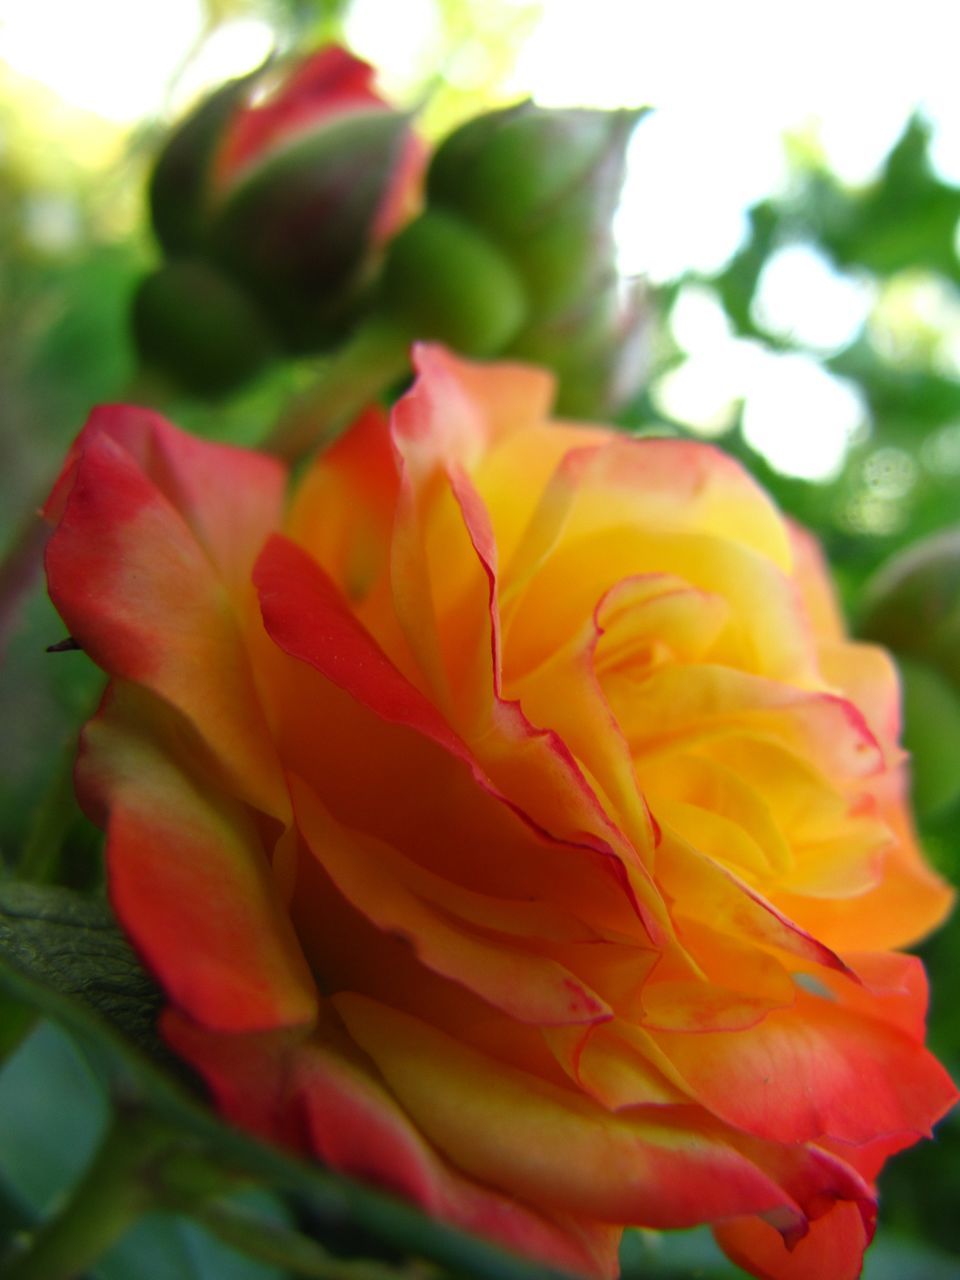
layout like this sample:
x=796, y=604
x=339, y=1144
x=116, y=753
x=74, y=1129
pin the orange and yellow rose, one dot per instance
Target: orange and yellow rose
x=508, y=820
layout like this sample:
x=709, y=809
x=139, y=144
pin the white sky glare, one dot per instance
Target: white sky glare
x=728, y=80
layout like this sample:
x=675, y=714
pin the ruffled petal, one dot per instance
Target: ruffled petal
x=816, y=1070
x=404, y=901
x=834, y=1247
x=149, y=567
x=554, y=1146
x=392, y=742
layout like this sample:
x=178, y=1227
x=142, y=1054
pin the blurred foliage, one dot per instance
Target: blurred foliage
x=73, y=241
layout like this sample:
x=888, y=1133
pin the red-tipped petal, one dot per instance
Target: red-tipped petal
x=312, y=1093
x=832, y=1250
x=189, y=876
x=149, y=567
x=553, y=1146
x=815, y=1070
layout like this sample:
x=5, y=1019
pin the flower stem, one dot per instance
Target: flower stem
x=374, y=357
x=109, y=1197
x=19, y=569
x=284, y=1247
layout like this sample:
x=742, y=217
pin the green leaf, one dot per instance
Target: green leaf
x=71, y=942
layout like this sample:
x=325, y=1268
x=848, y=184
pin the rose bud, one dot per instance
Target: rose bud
x=194, y=324
x=292, y=189
x=509, y=820
x=931, y=734
x=514, y=252
x=177, y=191
x=912, y=603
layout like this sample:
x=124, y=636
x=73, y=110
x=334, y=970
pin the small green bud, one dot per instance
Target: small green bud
x=598, y=350
x=443, y=279
x=198, y=328
x=541, y=187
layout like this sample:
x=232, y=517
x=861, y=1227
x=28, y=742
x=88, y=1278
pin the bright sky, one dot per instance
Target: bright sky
x=728, y=80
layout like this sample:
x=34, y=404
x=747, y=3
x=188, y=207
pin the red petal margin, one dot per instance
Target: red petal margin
x=816, y=1070
x=833, y=1249
x=229, y=497
x=307, y=618
x=149, y=567
x=457, y=409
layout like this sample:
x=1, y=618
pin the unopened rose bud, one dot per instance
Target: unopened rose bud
x=598, y=349
x=178, y=189
x=521, y=169
x=533, y=192
x=913, y=603
x=194, y=325
x=291, y=190
x=931, y=735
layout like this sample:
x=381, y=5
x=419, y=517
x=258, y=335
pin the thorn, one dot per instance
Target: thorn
x=63, y=646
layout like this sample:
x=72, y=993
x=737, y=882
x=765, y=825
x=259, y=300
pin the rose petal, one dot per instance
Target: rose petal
x=815, y=1070
x=311, y=1094
x=376, y=751
x=834, y=1247
x=383, y=885
x=549, y=1145
x=148, y=567
x=189, y=876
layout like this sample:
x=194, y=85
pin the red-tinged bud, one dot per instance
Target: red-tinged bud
x=913, y=603
x=326, y=84
x=299, y=228
x=290, y=184
x=195, y=326
x=178, y=190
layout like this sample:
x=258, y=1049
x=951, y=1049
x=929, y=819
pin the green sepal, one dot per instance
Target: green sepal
x=512, y=171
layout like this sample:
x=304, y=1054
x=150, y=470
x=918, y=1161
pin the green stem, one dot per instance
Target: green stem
x=20, y=568
x=376, y=355
x=281, y=1246
x=109, y=1197
x=39, y=859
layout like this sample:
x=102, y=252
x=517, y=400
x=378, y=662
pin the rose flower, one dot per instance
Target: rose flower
x=508, y=820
